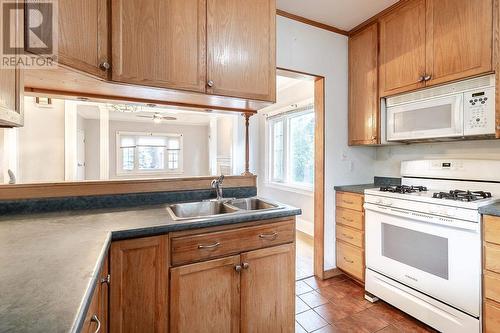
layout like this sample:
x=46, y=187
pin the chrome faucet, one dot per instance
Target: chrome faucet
x=217, y=185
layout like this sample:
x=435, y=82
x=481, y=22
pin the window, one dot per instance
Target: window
x=140, y=153
x=291, y=148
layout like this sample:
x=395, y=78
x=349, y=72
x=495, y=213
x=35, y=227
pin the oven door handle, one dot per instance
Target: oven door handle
x=423, y=217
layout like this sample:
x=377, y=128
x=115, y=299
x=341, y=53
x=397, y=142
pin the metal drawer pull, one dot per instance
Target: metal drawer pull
x=246, y=265
x=96, y=320
x=237, y=268
x=349, y=261
x=348, y=202
x=106, y=280
x=346, y=219
x=347, y=236
x=272, y=236
x=216, y=244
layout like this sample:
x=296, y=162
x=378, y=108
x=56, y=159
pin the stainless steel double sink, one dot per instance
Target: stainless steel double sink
x=214, y=208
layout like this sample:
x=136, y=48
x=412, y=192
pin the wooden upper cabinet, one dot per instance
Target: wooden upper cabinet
x=139, y=285
x=268, y=290
x=205, y=297
x=402, y=49
x=459, y=39
x=241, y=47
x=83, y=36
x=160, y=43
x=363, y=87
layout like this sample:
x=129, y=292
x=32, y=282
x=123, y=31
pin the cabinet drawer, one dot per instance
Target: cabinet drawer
x=492, y=229
x=492, y=257
x=90, y=324
x=201, y=247
x=491, y=317
x=349, y=201
x=349, y=217
x=349, y=235
x=492, y=286
x=351, y=260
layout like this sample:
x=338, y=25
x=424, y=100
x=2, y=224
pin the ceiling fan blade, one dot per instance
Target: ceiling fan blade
x=168, y=118
x=151, y=117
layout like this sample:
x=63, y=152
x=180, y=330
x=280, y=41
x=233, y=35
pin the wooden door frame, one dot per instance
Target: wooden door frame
x=319, y=166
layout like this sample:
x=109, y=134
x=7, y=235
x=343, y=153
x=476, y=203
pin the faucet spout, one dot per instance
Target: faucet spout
x=217, y=185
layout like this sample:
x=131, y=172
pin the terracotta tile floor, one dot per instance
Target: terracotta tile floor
x=338, y=305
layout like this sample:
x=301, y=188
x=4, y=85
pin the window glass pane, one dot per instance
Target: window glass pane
x=302, y=148
x=151, y=158
x=278, y=150
x=173, y=160
x=128, y=159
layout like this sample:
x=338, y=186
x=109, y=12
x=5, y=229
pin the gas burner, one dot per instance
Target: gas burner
x=459, y=195
x=403, y=189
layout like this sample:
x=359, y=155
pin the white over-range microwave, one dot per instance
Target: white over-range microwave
x=457, y=110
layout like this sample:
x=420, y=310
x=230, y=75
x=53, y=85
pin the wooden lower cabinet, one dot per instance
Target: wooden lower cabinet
x=205, y=297
x=491, y=274
x=252, y=290
x=350, y=234
x=96, y=319
x=268, y=290
x=139, y=285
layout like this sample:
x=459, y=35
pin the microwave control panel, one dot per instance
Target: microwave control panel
x=479, y=112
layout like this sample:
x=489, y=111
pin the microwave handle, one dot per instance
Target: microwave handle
x=459, y=114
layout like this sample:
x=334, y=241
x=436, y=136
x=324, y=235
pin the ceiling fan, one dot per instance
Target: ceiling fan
x=157, y=117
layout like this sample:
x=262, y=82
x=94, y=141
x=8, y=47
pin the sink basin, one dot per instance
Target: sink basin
x=252, y=204
x=196, y=210
x=208, y=209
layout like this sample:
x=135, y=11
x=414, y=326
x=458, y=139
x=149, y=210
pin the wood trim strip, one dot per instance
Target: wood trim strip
x=496, y=62
x=73, y=189
x=319, y=178
x=377, y=16
x=316, y=24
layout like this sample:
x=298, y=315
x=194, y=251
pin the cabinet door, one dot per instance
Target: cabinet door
x=459, y=39
x=83, y=35
x=139, y=285
x=11, y=97
x=160, y=43
x=268, y=290
x=104, y=296
x=205, y=297
x=96, y=319
x=402, y=49
x=363, y=87
x=241, y=48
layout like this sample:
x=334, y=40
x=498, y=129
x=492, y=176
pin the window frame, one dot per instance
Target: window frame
x=165, y=171
x=285, y=117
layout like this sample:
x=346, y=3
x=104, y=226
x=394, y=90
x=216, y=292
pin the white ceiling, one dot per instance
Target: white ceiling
x=342, y=14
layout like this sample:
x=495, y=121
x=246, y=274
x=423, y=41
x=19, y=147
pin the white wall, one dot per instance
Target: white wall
x=308, y=49
x=41, y=143
x=92, y=146
x=195, y=144
x=389, y=158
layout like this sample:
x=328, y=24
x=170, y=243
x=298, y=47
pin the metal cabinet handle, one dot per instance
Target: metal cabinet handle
x=237, y=268
x=346, y=219
x=105, y=66
x=106, y=279
x=272, y=236
x=211, y=246
x=210, y=83
x=245, y=265
x=421, y=79
x=348, y=202
x=95, y=319
x=347, y=236
x=427, y=77
x=349, y=261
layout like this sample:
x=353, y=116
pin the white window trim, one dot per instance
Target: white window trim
x=121, y=172
x=302, y=188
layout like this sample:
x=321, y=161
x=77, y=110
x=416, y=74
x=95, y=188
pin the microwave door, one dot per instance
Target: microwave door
x=435, y=118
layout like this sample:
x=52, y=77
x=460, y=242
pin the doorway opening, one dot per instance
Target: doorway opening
x=292, y=161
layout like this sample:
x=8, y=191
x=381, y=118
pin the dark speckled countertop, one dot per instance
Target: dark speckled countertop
x=49, y=262
x=377, y=182
x=493, y=209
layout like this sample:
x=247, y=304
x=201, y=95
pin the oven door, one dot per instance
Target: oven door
x=440, y=261
x=435, y=118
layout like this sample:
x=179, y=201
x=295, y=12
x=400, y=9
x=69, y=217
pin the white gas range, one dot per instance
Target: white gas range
x=423, y=240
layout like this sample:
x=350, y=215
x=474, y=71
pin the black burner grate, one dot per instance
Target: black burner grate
x=459, y=195
x=403, y=189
